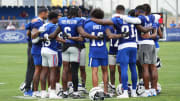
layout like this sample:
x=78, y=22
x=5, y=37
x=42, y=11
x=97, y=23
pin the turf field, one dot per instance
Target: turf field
x=13, y=61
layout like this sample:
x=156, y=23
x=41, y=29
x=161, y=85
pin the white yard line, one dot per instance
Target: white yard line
x=1, y=83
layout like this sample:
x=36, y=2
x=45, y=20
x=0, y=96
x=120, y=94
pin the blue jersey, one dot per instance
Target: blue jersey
x=122, y=27
x=97, y=48
x=83, y=22
x=69, y=26
x=36, y=48
x=146, y=21
x=50, y=28
x=113, y=44
x=28, y=27
x=157, y=38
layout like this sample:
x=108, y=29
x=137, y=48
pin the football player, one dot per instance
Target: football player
x=127, y=48
x=146, y=51
x=36, y=47
x=98, y=54
x=71, y=27
x=30, y=65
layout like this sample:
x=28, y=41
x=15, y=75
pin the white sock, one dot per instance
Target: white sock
x=65, y=92
x=126, y=92
x=43, y=91
x=53, y=91
x=147, y=90
x=75, y=93
x=134, y=91
x=113, y=86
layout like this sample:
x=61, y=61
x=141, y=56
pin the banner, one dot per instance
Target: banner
x=173, y=34
x=17, y=36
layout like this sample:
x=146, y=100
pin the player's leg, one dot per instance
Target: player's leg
x=123, y=59
x=58, y=70
x=154, y=72
x=65, y=58
x=36, y=77
x=93, y=63
x=29, y=73
x=132, y=65
x=112, y=68
x=119, y=72
x=82, y=66
x=74, y=62
x=104, y=69
x=144, y=58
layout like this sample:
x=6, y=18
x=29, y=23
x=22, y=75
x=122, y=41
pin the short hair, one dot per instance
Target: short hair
x=147, y=8
x=120, y=7
x=140, y=7
x=52, y=15
x=97, y=13
x=73, y=11
x=42, y=9
x=131, y=12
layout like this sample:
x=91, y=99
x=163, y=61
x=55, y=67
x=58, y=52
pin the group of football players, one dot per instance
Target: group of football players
x=133, y=40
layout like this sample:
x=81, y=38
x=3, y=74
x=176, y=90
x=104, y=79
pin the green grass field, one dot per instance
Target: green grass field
x=13, y=61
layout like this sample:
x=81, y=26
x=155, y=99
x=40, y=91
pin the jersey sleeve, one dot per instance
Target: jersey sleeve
x=28, y=26
x=117, y=21
x=80, y=22
x=36, y=25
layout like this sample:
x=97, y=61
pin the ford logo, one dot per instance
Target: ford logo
x=12, y=36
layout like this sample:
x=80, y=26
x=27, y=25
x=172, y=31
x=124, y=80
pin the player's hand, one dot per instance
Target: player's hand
x=65, y=36
x=125, y=34
x=100, y=37
x=68, y=41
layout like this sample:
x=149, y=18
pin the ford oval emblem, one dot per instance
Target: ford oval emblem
x=11, y=36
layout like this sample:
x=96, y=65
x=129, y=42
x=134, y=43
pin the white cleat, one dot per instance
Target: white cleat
x=147, y=93
x=133, y=93
x=53, y=95
x=153, y=92
x=44, y=94
x=124, y=95
x=36, y=94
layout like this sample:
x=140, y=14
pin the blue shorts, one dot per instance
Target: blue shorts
x=37, y=59
x=126, y=55
x=96, y=62
x=59, y=58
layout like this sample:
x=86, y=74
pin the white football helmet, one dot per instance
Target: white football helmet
x=119, y=90
x=96, y=93
x=22, y=87
x=110, y=88
x=140, y=88
x=159, y=87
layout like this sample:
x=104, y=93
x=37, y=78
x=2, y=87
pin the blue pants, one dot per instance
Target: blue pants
x=59, y=58
x=96, y=62
x=125, y=57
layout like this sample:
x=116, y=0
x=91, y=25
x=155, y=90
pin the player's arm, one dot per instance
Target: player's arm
x=103, y=21
x=143, y=29
x=35, y=33
x=55, y=33
x=84, y=34
x=133, y=20
x=76, y=38
x=114, y=36
x=28, y=33
x=58, y=39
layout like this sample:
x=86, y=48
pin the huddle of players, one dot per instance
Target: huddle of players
x=67, y=35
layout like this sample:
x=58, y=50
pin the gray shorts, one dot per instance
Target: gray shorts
x=112, y=59
x=83, y=57
x=72, y=54
x=147, y=54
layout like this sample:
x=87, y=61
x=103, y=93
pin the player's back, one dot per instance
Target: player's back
x=124, y=27
x=113, y=43
x=49, y=29
x=36, y=23
x=97, y=47
x=69, y=26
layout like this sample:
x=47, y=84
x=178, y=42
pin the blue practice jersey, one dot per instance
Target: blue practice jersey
x=69, y=26
x=146, y=21
x=83, y=22
x=156, y=40
x=49, y=29
x=36, y=48
x=122, y=27
x=97, y=48
x=113, y=44
x=28, y=27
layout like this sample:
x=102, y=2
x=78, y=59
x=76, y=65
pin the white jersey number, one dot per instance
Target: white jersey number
x=94, y=41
